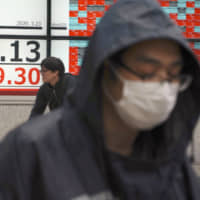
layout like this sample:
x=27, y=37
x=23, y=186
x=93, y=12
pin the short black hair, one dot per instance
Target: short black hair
x=53, y=64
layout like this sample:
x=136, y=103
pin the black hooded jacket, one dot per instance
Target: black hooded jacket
x=61, y=155
x=52, y=96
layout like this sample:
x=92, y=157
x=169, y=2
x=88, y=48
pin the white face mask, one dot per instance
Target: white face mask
x=144, y=105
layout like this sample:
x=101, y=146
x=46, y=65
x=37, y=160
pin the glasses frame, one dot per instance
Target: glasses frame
x=184, y=79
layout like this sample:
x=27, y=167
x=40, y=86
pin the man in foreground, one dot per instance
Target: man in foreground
x=124, y=129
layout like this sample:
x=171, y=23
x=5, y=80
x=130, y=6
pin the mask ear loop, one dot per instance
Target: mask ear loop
x=186, y=84
x=113, y=71
x=105, y=89
x=114, y=75
x=106, y=92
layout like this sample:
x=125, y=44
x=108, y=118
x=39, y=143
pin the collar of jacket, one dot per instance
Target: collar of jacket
x=58, y=84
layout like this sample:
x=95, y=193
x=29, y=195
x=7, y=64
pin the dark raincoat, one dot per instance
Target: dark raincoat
x=61, y=156
x=52, y=96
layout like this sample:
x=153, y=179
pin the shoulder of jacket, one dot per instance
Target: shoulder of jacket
x=69, y=75
x=40, y=128
x=45, y=89
x=44, y=86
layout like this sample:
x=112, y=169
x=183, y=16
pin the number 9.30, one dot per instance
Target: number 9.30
x=23, y=75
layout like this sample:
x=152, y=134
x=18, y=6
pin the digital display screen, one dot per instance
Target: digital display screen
x=186, y=14
x=60, y=17
x=20, y=57
x=20, y=64
x=22, y=17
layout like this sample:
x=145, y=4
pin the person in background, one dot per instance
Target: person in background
x=56, y=83
x=124, y=129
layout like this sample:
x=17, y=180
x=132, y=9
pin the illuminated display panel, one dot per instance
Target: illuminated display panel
x=60, y=49
x=85, y=14
x=22, y=17
x=186, y=14
x=19, y=65
x=20, y=58
x=60, y=18
x=71, y=52
x=76, y=53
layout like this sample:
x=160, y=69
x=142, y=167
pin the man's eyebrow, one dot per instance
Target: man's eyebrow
x=178, y=62
x=147, y=59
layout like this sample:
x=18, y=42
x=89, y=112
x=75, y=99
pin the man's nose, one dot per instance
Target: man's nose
x=163, y=74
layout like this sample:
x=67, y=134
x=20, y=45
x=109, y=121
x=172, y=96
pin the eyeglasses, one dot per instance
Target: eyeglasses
x=184, y=80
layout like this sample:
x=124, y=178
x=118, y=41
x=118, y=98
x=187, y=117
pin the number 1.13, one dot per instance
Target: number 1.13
x=34, y=50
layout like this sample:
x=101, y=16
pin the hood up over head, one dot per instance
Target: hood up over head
x=129, y=22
